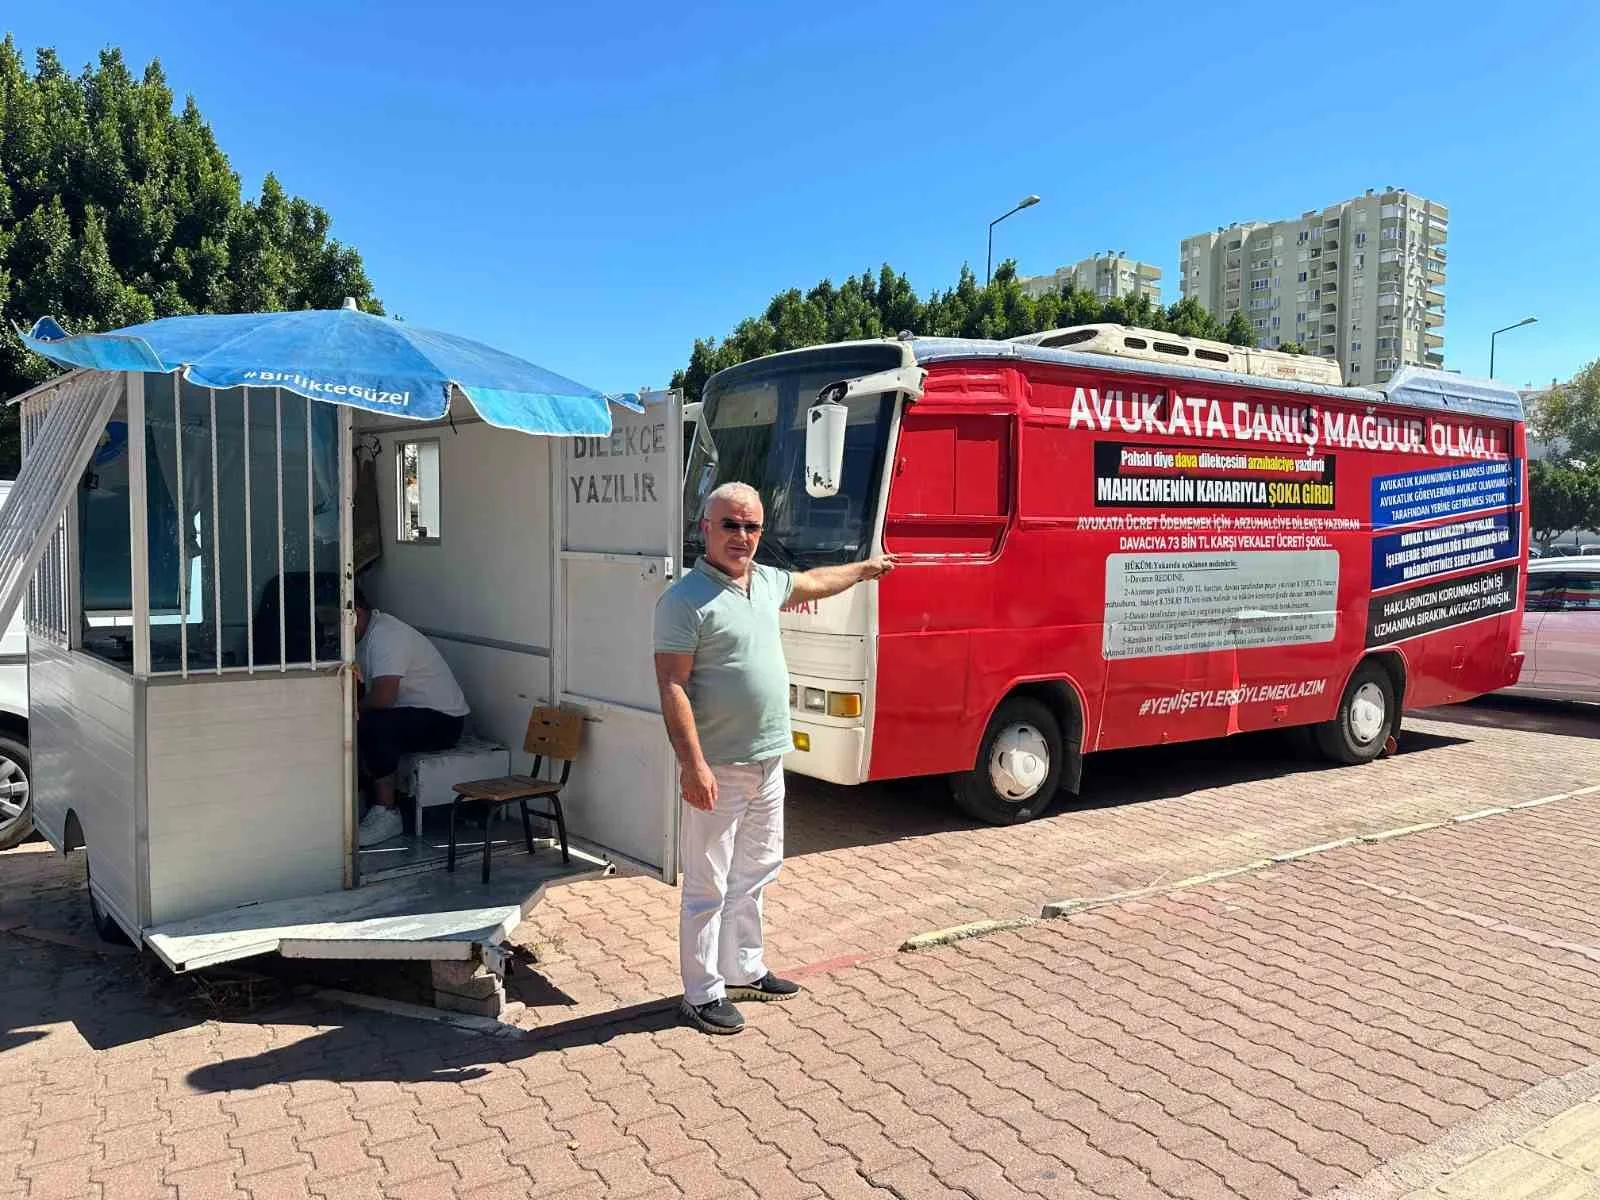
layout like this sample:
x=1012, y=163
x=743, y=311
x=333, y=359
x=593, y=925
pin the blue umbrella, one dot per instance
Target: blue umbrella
x=341, y=356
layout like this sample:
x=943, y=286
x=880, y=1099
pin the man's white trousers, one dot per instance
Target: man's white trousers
x=728, y=858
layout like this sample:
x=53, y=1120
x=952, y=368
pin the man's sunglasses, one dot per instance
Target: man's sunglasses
x=751, y=528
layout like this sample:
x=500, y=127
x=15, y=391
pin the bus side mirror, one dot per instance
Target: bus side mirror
x=825, y=426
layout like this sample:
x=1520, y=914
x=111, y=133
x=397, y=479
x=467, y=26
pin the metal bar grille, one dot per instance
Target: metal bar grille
x=249, y=547
x=183, y=522
x=61, y=427
x=311, y=543
x=216, y=539
x=283, y=628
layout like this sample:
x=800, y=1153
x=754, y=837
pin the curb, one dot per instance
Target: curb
x=958, y=933
x=1064, y=908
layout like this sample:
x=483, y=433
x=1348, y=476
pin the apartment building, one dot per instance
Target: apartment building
x=1105, y=275
x=1361, y=281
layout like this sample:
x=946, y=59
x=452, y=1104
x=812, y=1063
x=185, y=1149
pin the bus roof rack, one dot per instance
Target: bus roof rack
x=1151, y=345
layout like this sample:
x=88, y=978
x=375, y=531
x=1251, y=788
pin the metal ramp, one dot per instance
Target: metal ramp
x=434, y=916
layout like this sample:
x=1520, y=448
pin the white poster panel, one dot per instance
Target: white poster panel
x=1160, y=604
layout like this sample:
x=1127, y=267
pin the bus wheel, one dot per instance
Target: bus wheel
x=1365, y=719
x=1018, y=768
x=105, y=925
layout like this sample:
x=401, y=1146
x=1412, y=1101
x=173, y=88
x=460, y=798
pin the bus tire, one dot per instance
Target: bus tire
x=1365, y=720
x=1019, y=765
x=105, y=925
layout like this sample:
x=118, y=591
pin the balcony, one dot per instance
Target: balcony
x=1433, y=341
x=1433, y=359
x=1434, y=298
x=1432, y=320
x=1433, y=270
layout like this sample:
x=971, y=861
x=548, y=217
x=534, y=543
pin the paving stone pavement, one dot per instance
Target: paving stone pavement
x=868, y=868
x=1370, y=1021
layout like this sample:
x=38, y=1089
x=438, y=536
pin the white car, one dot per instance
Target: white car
x=16, y=804
x=1561, y=630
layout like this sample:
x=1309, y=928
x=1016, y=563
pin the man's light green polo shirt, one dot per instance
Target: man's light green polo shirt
x=739, y=687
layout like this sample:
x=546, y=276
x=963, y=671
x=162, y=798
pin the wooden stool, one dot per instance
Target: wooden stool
x=553, y=734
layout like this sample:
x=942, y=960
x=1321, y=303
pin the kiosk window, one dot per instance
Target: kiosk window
x=417, y=491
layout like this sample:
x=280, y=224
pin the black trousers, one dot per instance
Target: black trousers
x=384, y=734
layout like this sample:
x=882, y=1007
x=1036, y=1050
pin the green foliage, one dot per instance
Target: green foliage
x=1238, y=331
x=1568, y=416
x=1291, y=348
x=869, y=307
x=1562, y=496
x=115, y=209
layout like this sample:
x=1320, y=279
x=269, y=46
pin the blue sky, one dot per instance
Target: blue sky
x=594, y=189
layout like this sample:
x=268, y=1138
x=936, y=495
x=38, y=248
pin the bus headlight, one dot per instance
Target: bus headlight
x=844, y=704
x=816, y=700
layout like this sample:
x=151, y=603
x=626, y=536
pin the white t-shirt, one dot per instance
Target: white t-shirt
x=392, y=647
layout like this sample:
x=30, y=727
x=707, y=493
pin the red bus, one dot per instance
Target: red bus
x=1114, y=538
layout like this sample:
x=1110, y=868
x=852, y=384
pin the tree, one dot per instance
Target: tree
x=1189, y=318
x=1562, y=496
x=868, y=307
x=116, y=209
x=1238, y=331
x=1567, y=417
x=1291, y=348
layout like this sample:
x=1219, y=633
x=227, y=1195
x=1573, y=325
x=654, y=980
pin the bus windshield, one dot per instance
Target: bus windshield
x=752, y=429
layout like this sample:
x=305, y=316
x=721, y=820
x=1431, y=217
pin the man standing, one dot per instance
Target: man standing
x=410, y=704
x=725, y=697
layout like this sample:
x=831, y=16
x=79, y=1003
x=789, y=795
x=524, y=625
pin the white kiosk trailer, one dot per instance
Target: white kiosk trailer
x=189, y=557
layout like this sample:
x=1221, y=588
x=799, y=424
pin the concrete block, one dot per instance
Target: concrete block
x=468, y=987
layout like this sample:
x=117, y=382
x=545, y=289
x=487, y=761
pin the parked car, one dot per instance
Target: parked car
x=1570, y=550
x=16, y=800
x=1561, y=630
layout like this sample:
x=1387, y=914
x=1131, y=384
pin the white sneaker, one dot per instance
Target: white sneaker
x=379, y=825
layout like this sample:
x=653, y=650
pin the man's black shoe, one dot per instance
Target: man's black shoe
x=768, y=987
x=718, y=1016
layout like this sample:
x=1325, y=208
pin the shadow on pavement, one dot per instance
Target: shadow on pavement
x=824, y=816
x=1522, y=713
x=373, y=1049
x=108, y=1002
x=391, y=1049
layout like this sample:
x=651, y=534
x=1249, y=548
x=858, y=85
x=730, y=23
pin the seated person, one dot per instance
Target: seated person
x=410, y=704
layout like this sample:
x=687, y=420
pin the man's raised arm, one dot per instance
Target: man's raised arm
x=821, y=582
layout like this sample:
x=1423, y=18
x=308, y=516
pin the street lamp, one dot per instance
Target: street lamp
x=988, y=266
x=1498, y=332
